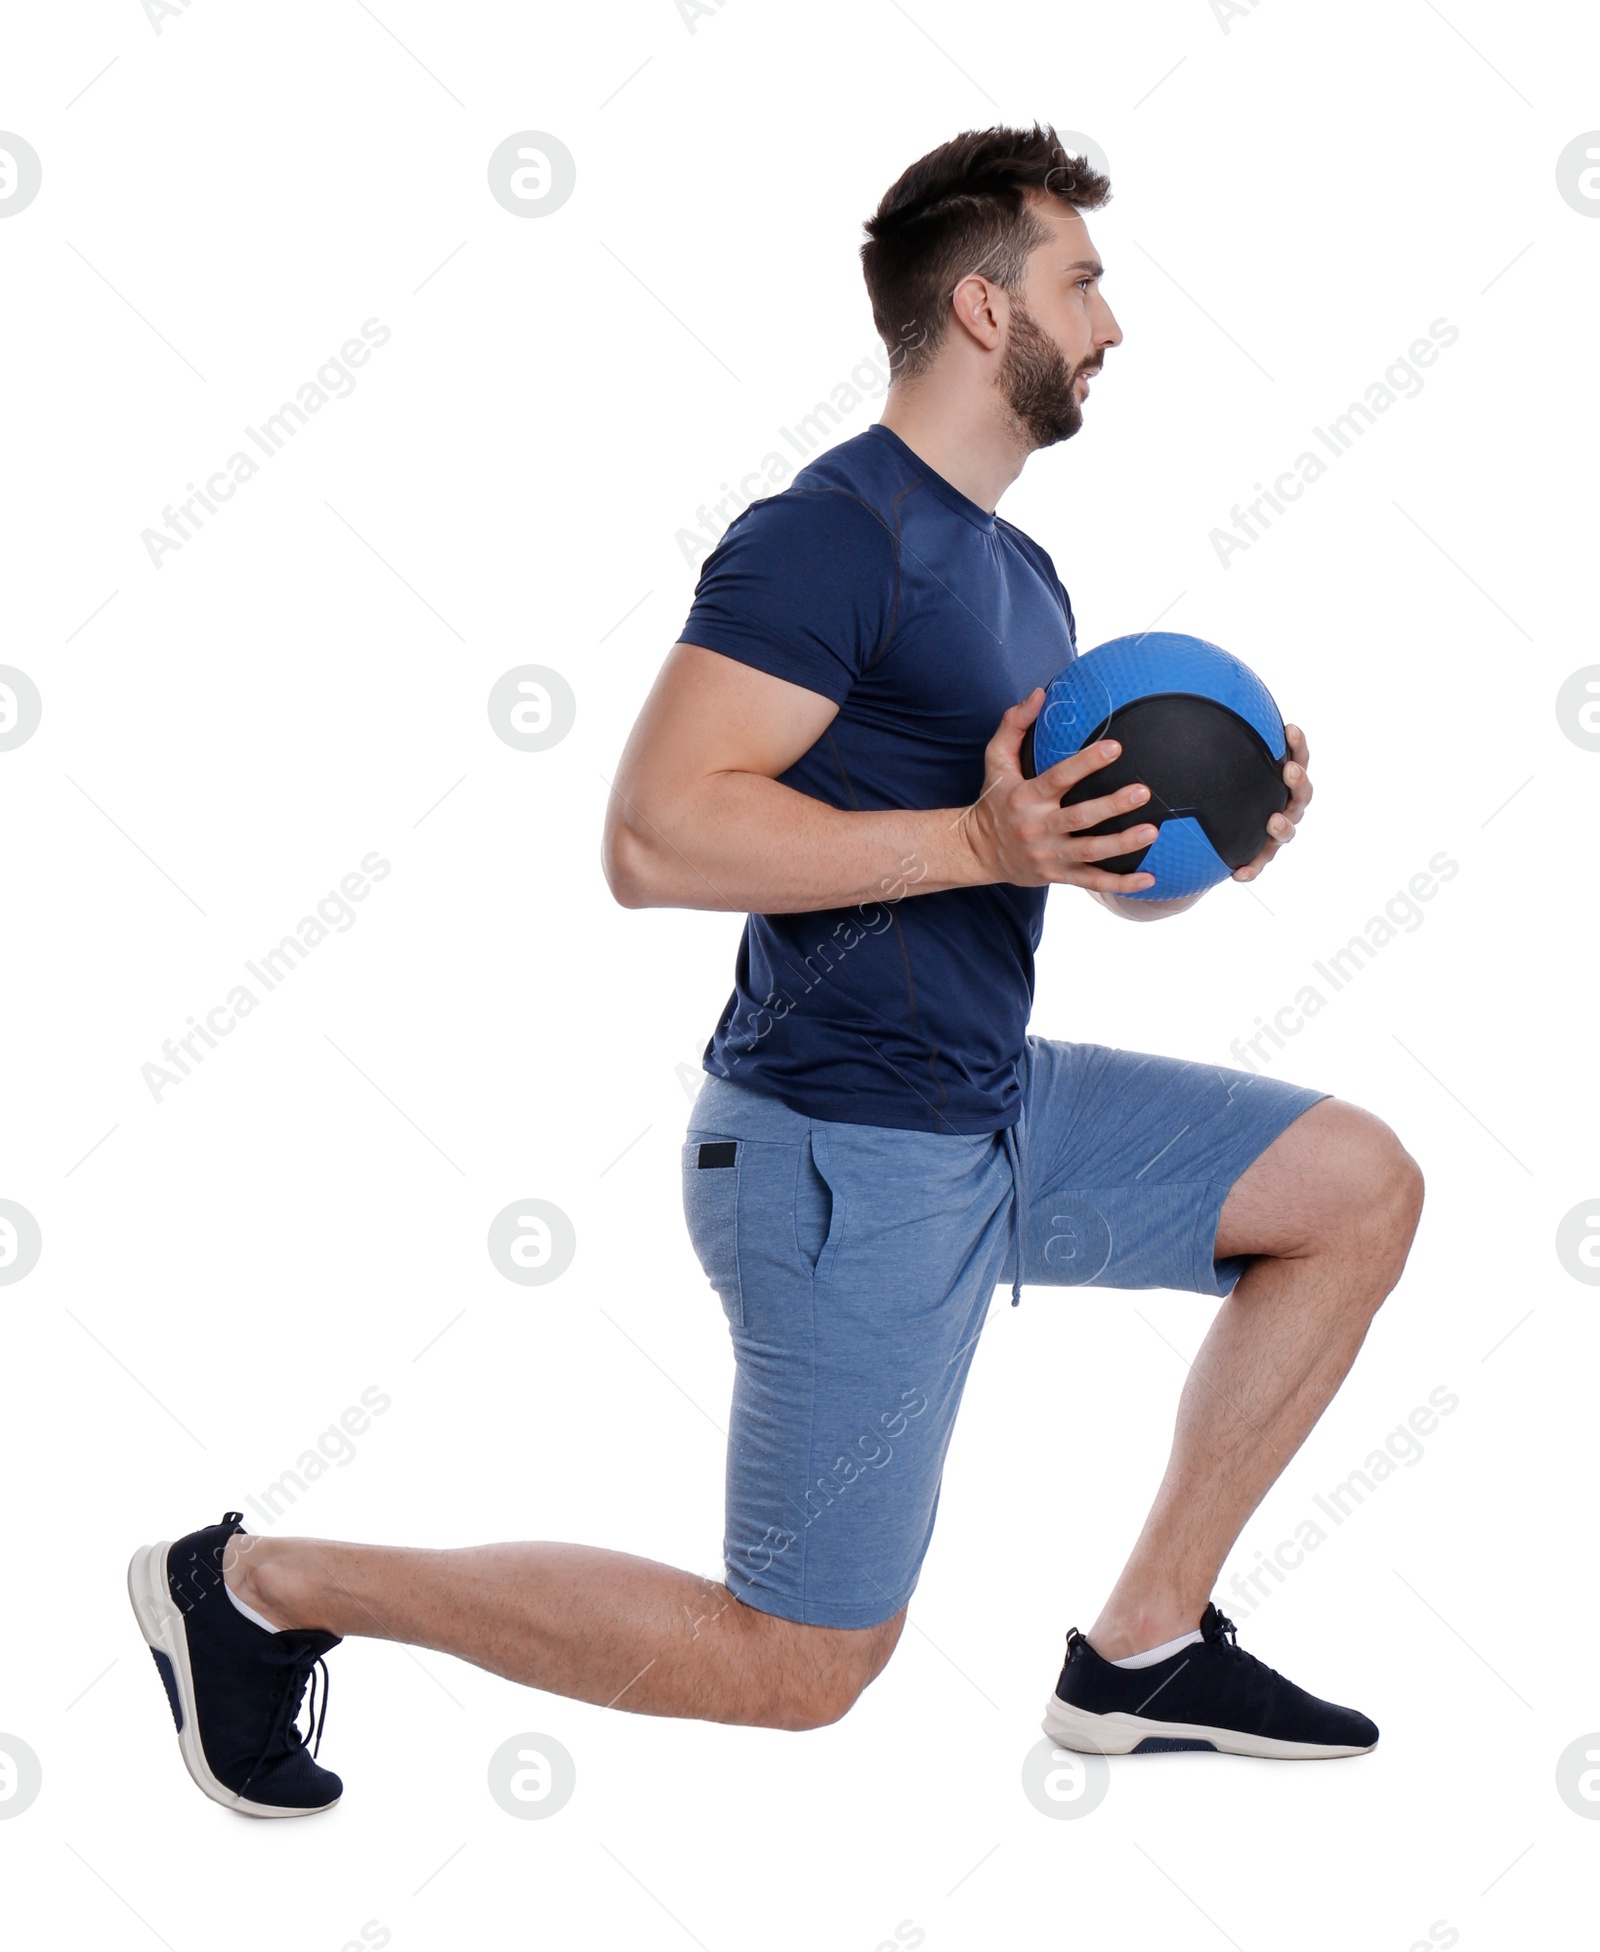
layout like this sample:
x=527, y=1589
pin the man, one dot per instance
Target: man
x=833, y=748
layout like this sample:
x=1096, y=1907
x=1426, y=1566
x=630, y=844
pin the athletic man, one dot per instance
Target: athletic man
x=833, y=748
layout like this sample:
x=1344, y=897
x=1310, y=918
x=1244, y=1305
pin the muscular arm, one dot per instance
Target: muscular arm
x=698, y=819
x=1145, y=911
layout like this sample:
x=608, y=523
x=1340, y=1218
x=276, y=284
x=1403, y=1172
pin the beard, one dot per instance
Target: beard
x=1036, y=382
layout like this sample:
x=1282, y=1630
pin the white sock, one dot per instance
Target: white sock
x=250, y=1613
x=1162, y=1653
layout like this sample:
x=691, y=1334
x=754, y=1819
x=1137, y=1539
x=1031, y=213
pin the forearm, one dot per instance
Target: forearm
x=743, y=842
x=1143, y=911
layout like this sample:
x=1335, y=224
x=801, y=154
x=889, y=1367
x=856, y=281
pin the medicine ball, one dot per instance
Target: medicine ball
x=1197, y=727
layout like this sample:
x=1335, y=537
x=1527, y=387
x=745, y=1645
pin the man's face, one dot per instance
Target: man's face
x=1060, y=327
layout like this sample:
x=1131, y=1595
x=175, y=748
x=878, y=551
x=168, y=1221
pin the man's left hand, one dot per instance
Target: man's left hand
x=1280, y=828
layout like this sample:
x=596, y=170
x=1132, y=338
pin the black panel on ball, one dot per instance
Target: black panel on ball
x=1197, y=758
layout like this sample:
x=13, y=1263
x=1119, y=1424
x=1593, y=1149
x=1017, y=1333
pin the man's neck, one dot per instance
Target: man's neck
x=958, y=440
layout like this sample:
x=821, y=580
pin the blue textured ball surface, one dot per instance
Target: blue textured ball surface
x=1201, y=731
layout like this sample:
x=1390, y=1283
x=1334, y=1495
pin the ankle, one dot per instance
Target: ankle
x=254, y=1571
x=1124, y=1630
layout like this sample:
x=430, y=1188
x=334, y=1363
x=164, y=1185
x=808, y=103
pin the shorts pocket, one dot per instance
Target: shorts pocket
x=817, y=1210
x=711, y=1209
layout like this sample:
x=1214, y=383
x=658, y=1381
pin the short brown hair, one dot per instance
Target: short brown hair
x=963, y=208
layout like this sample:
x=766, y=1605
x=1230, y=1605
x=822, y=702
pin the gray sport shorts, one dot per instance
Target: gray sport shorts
x=856, y=1265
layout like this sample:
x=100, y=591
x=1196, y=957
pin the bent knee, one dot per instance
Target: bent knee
x=1374, y=1188
x=818, y=1708
x=1389, y=1183
x=822, y=1672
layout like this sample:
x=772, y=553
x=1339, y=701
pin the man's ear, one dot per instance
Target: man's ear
x=980, y=309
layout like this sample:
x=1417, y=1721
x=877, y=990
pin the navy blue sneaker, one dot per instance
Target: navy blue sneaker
x=1209, y=1695
x=234, y=1688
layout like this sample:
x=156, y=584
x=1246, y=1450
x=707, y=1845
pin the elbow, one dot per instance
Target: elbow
x=626, y=861
x=1145, y=910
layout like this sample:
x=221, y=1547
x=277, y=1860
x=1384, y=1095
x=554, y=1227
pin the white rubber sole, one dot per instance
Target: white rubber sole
x=161, y=1623
x=1076, y=1729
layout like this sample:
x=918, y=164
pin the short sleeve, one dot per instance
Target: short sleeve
x=801, y=586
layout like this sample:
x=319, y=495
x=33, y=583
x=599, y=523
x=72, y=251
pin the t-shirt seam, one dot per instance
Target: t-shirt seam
x=844, y=774
x=987, y=521
x=897, y=544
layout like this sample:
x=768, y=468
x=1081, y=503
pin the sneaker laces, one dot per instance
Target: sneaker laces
x=1226, y=1626
x=285, y=1717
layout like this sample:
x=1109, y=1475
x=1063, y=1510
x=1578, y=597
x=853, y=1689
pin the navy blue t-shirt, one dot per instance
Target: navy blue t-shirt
x=873, y=581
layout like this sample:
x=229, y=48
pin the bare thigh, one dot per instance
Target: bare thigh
x=1322, y=1178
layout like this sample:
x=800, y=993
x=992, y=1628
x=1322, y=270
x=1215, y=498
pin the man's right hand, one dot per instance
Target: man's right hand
x=1019, y=832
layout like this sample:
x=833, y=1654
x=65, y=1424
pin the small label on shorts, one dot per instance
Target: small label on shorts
x=717, y=1152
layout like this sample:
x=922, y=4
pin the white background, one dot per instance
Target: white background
x=303, y=1218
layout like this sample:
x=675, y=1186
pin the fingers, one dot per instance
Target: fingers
x=1102, y=847
x=1016, y=719
x=1281, y=826
x=1067, y=772
x=1083, y=814
x=1280, y=831
x=1005, y=748
x=1072, y=822
x=1295, y=775
x=1252, y=868
x=1069, y=856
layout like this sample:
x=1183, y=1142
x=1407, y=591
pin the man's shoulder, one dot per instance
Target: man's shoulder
x=839, y=500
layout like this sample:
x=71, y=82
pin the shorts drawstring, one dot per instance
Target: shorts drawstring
x=1019, y=1195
